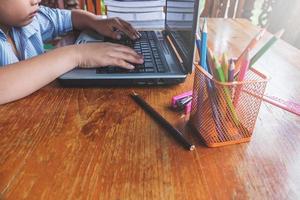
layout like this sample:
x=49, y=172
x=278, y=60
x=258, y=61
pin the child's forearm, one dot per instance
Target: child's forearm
x=107, y=27
x=23, y=78
x=83, y=20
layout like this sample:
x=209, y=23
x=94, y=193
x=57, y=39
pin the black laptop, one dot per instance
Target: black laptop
x=168, y=54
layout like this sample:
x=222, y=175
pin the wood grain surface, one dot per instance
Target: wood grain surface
x=96, y=143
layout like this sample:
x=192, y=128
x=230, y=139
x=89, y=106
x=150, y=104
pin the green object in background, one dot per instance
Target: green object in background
x=48, y=47
x=103, y=9
x=266, y=47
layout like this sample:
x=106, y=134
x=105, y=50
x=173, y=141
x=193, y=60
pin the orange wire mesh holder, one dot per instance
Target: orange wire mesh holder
x=225, y=113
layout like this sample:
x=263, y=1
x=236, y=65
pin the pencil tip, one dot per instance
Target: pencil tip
x=231, y=64
x=134, y=93
x=192, y=147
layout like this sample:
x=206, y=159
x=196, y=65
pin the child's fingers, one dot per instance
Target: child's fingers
x=117, y=23
x=125, y=49
x=128, y=57
x=121, y=63
x=115, y=35
x=130, y=28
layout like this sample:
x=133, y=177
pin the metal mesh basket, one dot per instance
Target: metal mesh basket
x=225, y=113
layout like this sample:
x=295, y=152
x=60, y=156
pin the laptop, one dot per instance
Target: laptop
x=168, y=53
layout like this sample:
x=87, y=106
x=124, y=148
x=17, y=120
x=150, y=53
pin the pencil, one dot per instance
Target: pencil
x=244, y=67
x=225, y=66
x=241, y=76
x=221, y=78
x=210, y=62
x=266, y=47
x=231, y=70
x=250, y=46
x=287, y=105
x=198, y=44
x=207, y=64
x=283, y=104
x=204, y=46
x=219, y=71
x=156, y=116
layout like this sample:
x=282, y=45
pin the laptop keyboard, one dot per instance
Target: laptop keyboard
x=146, y=46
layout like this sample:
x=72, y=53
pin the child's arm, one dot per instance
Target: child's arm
x=55, y=22
x=108, y=27
x=23, y=78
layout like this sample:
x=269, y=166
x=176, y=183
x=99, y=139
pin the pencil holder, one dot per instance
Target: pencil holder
x=225, y=113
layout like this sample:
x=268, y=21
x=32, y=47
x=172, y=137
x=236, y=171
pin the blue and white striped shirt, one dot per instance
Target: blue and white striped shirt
x=48, y=24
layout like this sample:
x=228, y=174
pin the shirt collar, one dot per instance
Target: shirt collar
x=28, y=30
x=31, y=28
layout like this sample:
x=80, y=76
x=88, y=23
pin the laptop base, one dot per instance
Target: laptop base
x=118, y=82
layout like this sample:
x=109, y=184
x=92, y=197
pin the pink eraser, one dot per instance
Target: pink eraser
x=180, y=96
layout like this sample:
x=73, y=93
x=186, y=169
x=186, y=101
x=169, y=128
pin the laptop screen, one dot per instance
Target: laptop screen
x=181, y=23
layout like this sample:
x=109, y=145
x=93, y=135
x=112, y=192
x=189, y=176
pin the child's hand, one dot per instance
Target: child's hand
x=105, y=54
x=113, y=27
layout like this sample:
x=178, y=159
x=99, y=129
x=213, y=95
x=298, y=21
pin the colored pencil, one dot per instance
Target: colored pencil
x=244, y=67
x=266, y=47
x=198, y=44
x=231, y=70
x=221, y=78
x=225, y=66
x=210, y=62
x=209, y=83
x=204, y=46
x=241, y=76
x=219, y=71
x=287, y=105
x=250, y=46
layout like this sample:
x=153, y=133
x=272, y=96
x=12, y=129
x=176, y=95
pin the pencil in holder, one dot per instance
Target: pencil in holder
x=226, y=113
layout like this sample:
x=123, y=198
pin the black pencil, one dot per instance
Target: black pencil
x=174, y=132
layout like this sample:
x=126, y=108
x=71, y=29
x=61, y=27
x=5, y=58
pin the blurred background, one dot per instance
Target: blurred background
x=273, y=14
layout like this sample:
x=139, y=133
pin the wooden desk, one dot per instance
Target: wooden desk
x=96, y=143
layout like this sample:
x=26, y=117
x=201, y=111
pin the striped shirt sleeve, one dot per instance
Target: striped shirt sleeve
x=54, y=22
x=7, y=55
